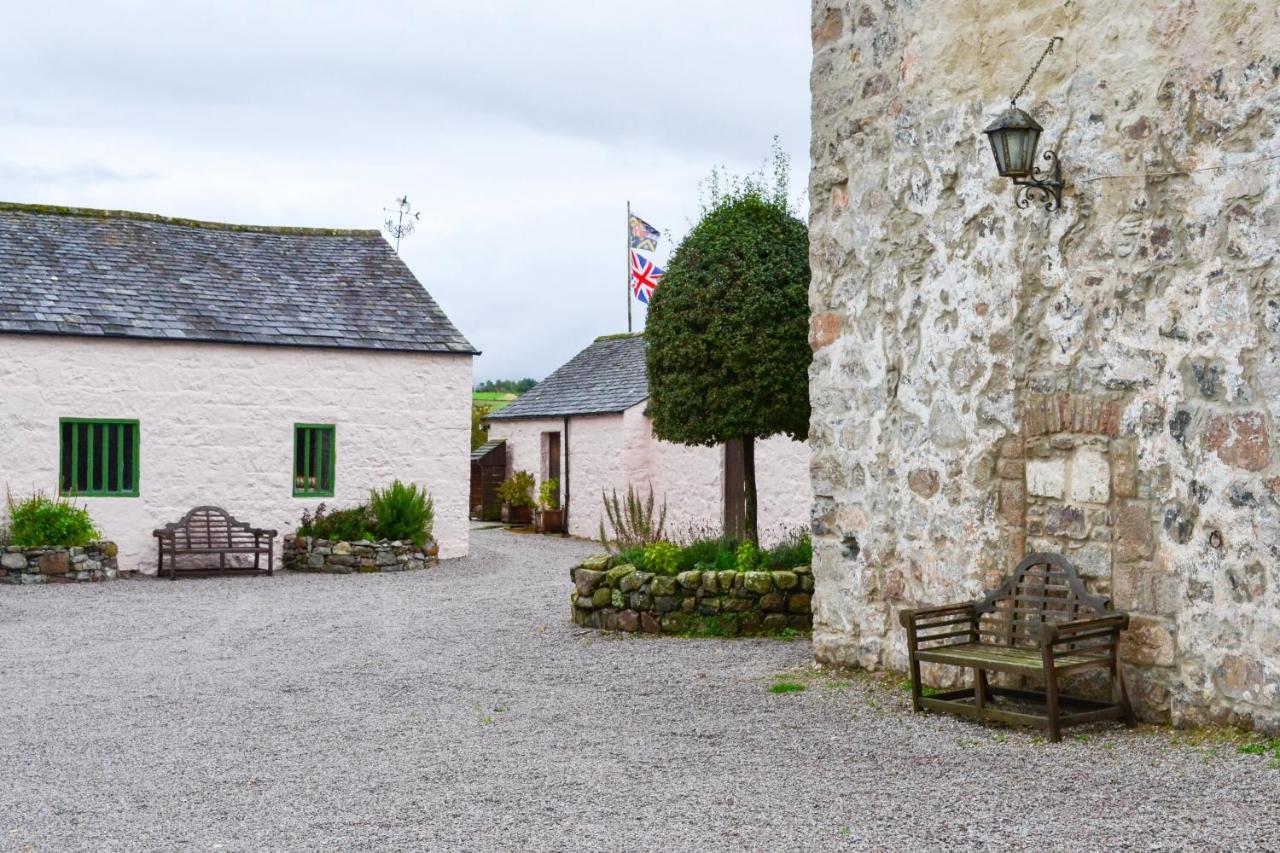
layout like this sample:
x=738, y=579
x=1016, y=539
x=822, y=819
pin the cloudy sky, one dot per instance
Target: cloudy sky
x=519, y=129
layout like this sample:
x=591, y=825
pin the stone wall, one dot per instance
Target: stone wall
x=309, y=554
x=95, y=562
x=216, y=424
x=1102, y=381
x=620, y=598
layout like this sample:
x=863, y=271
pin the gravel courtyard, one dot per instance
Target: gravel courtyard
x=458, y=709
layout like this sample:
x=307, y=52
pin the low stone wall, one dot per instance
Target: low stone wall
x=308, y=554
x=95, y=562
x=621, y=598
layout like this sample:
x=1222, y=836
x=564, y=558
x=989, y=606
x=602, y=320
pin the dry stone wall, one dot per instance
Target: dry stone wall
x=1103, y=381
x=619, y=597
x=309, y=554
x=95, y=562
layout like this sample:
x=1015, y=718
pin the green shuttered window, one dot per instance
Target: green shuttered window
x=98, y=458
x=313, y=457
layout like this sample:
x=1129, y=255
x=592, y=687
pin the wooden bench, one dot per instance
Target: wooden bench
x=1040, y=623
x=209, y=531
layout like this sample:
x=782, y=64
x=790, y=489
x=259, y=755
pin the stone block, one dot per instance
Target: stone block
x=649, y=623
x=634, y=580
x=1240, y=440
x=690, y=580
x=602, y=597
x=663, y=585
x=736, y=605
x=710, y=583
x=774, y=623
x=16, y=562
x=55, y=563
x=689, y=604
x=597, y=562
x=770, y=602
x=1090, y=476
x=709, y=606
x=665, y=603
x=617, y=598
x=1011, y=469
x=342, y=549
x=1124, y=468
x=1013, y=501
x=924, y=482
x=757, y=582
x=586, y=580
x=1092, y=560
x=641, y=600
x=785, y=580
x=628, y=620
x=1064, y=520
x=1047, y=478
x=1134, y=537
x=799, y=602
x=617, y=573
x=727, y=580
x=675, y=623
x=315, y=561
x=1148, y=642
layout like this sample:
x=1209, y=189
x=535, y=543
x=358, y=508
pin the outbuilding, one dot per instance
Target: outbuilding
x=585, y=426
x=150, y=364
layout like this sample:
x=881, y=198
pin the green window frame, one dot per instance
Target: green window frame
x=98, y=458
x=315, y=453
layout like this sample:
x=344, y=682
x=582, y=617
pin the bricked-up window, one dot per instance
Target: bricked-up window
x=314, y=451
x=98, y=458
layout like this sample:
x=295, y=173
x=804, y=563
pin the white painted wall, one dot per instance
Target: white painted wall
x=217, y=420
x=609, y=452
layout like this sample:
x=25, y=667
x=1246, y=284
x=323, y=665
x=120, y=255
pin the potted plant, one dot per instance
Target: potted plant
x=517, y=498
x=550, y=518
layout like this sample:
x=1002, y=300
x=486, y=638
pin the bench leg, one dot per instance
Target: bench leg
x=1051, y=701
x=1122, y=695
x=915, y=685
x=981, y=690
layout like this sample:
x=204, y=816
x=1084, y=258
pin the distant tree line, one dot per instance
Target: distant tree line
x=507, y=386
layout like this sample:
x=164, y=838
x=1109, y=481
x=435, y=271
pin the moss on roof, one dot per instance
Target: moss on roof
x=620, y=336
x=94, y=213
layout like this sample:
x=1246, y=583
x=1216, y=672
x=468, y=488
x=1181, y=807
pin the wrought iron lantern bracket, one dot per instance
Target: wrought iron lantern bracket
x=1049, y=187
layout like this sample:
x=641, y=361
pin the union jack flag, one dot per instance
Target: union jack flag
x=645, y=277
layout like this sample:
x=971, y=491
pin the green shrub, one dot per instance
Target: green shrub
x=403, y=512
x=517, y=490
x=662, y=558
x=340, y=525
x=549, y=494
x=634, y=556
x=747, y=558
x=39, y=521
x=795, y=550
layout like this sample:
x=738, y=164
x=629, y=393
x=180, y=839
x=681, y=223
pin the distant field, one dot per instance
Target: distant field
x=495, y=400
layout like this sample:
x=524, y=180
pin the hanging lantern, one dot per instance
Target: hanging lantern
x=1014, y=136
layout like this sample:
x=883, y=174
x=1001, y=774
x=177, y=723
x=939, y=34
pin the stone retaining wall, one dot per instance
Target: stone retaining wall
x=308, y=554
x=95, y=562
x=622, y=598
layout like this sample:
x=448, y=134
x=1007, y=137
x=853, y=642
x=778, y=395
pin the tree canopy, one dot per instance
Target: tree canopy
x=728, y=329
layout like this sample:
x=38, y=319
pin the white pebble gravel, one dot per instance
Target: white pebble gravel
x=459, y=709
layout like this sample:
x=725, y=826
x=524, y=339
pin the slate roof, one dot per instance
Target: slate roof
x=485, y=449
x=110, y=273
x=608, y=376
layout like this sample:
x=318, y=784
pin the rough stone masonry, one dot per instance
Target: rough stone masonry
x=1102, y=381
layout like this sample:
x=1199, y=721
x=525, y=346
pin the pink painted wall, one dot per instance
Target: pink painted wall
x=217, y=427
x=609, y=452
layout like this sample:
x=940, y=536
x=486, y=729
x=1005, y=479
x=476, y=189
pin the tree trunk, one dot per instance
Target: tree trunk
x=749, y=475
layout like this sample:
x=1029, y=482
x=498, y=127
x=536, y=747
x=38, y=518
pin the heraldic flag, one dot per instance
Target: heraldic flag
x=643, y=235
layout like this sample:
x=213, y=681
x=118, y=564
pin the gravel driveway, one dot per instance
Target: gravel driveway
x=458, y=709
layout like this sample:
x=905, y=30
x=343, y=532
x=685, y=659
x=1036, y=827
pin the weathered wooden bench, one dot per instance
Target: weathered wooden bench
x=1041, y=623
x=211, y=531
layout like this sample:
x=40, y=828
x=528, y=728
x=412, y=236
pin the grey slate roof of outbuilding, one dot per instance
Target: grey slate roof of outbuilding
x=608, y=376
x=109, y=273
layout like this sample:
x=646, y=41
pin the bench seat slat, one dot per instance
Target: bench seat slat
x=1003, y=658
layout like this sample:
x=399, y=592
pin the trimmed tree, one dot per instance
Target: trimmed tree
x=728, y=349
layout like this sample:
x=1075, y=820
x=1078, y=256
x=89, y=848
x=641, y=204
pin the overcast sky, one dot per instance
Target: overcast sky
x=519, y=129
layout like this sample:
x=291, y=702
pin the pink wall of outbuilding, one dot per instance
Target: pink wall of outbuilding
x=608, y=452
x=216, y=425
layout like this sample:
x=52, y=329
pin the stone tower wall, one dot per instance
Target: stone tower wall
x=1102, y=381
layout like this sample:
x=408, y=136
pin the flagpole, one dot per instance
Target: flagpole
x=628, y=266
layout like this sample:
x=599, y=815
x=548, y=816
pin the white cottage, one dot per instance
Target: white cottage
x=148, y=365
x=586, y=426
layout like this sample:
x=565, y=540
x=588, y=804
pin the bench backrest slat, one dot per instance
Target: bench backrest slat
x=210, y=527
x=1043, y=588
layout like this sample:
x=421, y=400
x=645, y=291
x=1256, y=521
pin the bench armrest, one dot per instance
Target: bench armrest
x=262, y=531
x=1082, y=629
x=909, y=616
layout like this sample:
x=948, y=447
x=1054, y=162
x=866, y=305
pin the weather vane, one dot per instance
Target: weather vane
x=399, y=227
